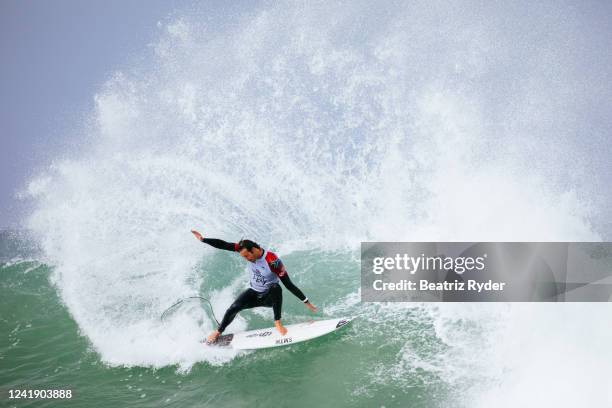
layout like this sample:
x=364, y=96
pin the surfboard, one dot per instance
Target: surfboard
x=270, y=337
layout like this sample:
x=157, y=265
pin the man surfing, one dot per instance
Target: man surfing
x=265, y=270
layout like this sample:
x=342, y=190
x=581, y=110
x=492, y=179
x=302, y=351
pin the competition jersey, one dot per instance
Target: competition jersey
x=265, y=271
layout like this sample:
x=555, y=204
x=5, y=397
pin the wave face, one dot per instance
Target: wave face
x=310, y=129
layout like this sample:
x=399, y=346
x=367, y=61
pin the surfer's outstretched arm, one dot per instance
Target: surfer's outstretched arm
x=276, y=266
x=292, y=288
x=220, y=244
x=296, y=292
x=216, y=243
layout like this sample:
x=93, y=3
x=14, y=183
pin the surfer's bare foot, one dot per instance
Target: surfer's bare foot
x=212, y=337
x=281, y=329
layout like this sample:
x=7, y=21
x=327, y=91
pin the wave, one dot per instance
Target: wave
x=312, y=129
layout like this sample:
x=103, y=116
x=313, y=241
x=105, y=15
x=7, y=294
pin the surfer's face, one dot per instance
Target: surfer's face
x=252, y=255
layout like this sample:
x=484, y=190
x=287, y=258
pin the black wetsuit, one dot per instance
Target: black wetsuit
x=271, y=296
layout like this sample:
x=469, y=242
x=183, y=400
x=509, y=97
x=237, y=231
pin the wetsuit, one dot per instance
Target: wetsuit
x=264, y=290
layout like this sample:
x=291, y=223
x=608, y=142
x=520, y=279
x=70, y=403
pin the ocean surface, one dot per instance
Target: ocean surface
x=404, y=355
x=309, y=130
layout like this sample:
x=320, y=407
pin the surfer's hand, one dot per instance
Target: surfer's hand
x=197, y=234
x=312, y=307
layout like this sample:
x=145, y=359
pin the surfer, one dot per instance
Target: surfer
x=265, y=270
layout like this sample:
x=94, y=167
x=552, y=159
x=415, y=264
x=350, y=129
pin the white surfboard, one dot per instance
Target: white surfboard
x=270, y=337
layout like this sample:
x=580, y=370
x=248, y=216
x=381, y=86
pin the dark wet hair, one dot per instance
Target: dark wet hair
x=247, y=244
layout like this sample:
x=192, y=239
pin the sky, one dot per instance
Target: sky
x=55, y=56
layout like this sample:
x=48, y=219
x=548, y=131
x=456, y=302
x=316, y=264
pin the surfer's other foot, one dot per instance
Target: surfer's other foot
x=281, y=329
x=212, y=337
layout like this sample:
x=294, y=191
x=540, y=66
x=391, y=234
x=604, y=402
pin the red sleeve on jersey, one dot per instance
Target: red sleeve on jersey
x=275, y=264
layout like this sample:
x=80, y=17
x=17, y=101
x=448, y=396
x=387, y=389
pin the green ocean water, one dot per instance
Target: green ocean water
x=356, y=366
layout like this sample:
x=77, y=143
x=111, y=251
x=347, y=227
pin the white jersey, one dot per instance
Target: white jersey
x=265, y=271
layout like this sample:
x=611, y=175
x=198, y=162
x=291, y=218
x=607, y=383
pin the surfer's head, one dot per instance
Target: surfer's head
x=249, y=250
